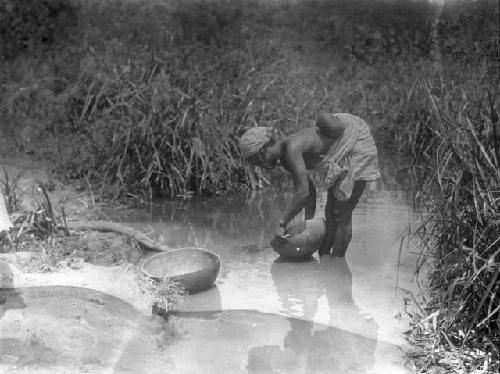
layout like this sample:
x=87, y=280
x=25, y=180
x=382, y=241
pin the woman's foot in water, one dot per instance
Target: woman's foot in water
x=338, y=254
x=324, y=251
x=340, y=250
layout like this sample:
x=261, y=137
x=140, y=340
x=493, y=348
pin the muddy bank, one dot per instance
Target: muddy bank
x=74, y=301
x=22, y=269
x=74, y=330
x=353, y=307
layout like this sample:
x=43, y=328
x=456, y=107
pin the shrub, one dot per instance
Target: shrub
x=26, y=26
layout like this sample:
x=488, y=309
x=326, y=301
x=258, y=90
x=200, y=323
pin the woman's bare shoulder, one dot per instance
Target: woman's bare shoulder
x=304, y=140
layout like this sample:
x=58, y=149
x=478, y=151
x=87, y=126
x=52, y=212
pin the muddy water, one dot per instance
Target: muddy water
x=266, y=315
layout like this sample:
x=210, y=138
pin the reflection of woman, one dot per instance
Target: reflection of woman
x=308, y=347
x=337, y=278
x=298, y=287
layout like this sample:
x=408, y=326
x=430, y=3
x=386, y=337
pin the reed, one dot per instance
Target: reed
x=167, y=295
x=11, y=191
x=455, y=146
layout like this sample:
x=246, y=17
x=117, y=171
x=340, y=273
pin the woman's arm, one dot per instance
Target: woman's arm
x=310, y=208
x=296, y=166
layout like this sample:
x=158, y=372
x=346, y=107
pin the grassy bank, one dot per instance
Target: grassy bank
x=456, y=152
x=148, y=98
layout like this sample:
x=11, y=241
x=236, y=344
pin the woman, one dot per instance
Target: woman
x=340, y=149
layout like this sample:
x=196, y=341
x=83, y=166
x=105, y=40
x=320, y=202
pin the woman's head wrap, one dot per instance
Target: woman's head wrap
x=252, y=141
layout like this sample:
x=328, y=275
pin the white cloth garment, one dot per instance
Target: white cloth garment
x=5, y=223
x=351, y=158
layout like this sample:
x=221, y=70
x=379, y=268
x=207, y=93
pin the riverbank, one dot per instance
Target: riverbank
x=347, y=304
x=73, y=301
x=458, y=173
x=35, y=246
x=121, y=280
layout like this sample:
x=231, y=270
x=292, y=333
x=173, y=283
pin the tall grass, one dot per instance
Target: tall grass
x=456, y=148
x=10, y=190
x=158, y=131
x=148, y=99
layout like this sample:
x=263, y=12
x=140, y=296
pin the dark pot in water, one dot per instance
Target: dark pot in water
x=305, y=239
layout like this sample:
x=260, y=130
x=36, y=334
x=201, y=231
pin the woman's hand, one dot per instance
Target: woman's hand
x=280, y=234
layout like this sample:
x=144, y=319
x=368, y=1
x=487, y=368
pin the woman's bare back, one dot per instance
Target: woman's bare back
x=313, y=144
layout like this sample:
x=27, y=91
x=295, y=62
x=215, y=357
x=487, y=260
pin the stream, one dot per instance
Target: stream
x=264, y=315
x=267, y=315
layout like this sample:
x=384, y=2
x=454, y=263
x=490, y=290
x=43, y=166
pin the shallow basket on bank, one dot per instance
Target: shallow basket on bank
x=195, y=269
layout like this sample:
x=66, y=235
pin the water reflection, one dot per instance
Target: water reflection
x=307, y=349
x=207, y=301
x=9, y=296
x=302, y=284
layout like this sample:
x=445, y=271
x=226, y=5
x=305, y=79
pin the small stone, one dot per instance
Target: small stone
x=96, y=300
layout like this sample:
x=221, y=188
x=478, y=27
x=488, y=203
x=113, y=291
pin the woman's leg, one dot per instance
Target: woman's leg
x=330, y=224
x=338, y=217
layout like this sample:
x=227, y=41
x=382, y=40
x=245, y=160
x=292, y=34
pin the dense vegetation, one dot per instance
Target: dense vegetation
x=456, y=148
x=148, y=98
